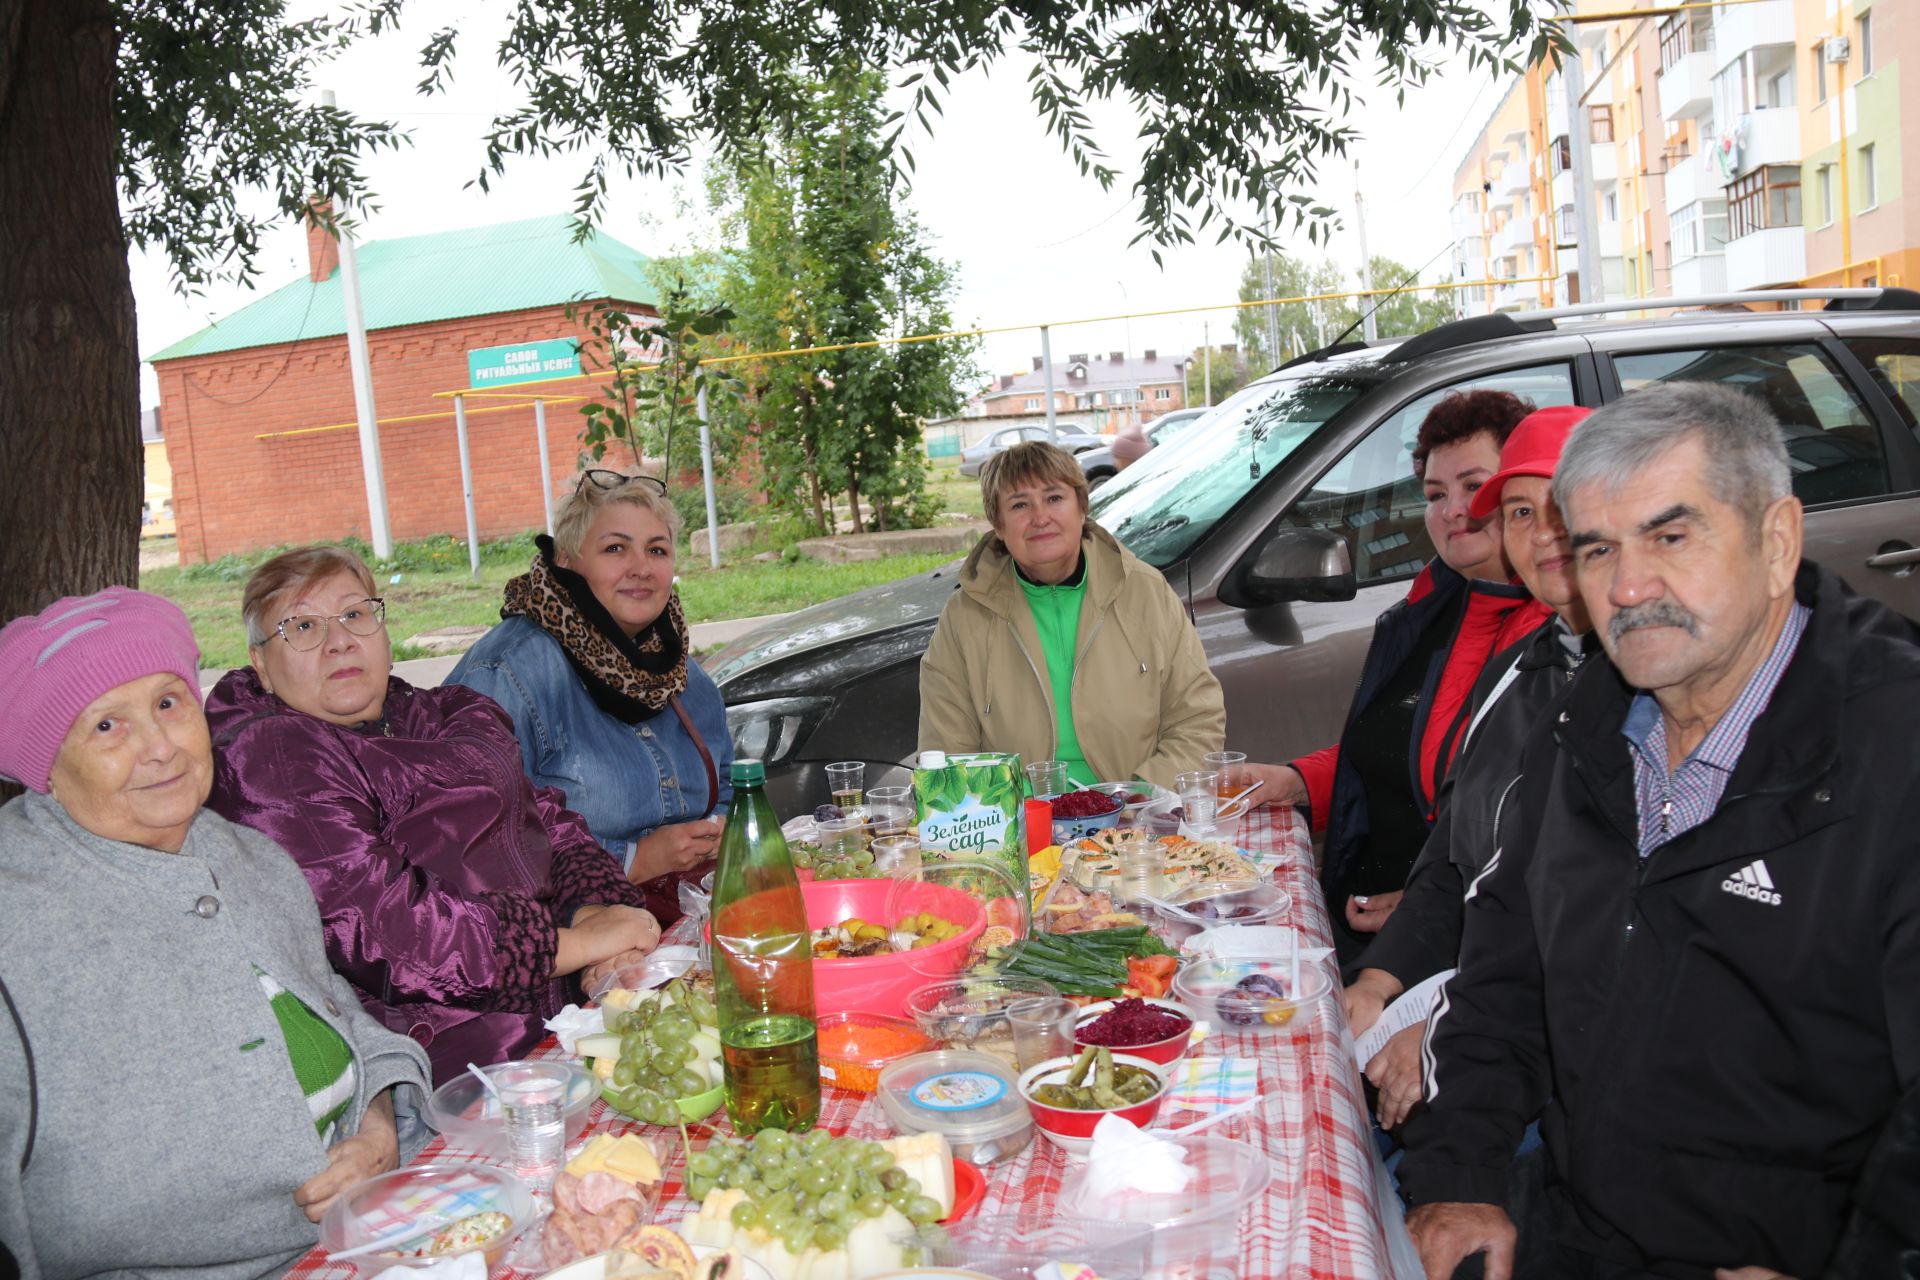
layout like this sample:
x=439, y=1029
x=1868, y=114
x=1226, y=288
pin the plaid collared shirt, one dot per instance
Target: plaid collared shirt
x=1671, y=803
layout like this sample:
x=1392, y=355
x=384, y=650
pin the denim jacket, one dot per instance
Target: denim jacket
x=625, y=780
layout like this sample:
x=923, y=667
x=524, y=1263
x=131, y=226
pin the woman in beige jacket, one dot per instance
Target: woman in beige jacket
x=1061, y=645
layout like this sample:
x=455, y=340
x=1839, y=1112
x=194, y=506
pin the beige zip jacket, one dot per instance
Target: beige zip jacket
x=1144, y=702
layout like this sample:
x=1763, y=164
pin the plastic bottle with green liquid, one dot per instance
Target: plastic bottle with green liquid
x=763, y=968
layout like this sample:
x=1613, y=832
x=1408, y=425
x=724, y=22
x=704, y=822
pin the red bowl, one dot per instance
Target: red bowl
x=1164, y=1052
x=969, y=1189
x=1072, y=1128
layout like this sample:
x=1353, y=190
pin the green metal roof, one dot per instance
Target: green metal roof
x=480, y=271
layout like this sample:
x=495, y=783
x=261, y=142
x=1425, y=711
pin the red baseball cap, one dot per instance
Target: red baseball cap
x=1532, y=450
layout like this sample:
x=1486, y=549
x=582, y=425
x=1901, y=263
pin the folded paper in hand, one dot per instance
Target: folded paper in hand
x=1125, y=1158
x=1410, y=1009
x=573, y=1022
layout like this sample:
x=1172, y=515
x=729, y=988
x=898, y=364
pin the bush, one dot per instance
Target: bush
x=732, y=503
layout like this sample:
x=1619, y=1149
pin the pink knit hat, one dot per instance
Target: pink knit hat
x=53, y=663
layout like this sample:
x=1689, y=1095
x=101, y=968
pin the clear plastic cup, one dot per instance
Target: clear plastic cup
x=847, y=780
x=1143, y=872
x=896, y=855
x=1199, y=796
x=533, y=1101
x=1048, y=777
x=1042, y=1028
x=1232, y=768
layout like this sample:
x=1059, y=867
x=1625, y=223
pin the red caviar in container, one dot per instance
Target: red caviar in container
x=855, y=1046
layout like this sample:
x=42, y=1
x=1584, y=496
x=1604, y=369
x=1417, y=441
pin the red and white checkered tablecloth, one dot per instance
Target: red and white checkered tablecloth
x=1324, y=1217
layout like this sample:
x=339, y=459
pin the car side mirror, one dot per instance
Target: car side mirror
x=1300, y=564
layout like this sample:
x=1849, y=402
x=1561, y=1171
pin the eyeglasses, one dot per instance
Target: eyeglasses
x=607, y=481
x=304, y=631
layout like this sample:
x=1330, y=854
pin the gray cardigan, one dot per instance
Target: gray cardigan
x=169, y=1133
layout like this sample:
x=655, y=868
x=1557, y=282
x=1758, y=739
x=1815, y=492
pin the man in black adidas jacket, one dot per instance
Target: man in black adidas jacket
x=1700, y=951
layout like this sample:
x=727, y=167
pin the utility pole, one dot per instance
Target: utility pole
x=1587, y=241
x=1368, y=329
x=1206, y=360
x=380, y=535
x=1273, y=310
x=1046, y=377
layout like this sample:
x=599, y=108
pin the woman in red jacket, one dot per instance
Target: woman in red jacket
x=1373, y=793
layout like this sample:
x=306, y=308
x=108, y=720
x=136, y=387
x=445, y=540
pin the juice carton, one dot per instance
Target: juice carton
x=969, y=806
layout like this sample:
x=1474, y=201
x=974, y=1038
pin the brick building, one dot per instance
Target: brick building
x=259, y=405
x=1108, y=392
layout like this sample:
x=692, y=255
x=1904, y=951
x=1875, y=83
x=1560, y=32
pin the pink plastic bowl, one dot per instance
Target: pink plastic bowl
x=881, y=984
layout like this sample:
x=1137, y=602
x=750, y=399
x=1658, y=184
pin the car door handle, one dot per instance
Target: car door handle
x=1894, y=559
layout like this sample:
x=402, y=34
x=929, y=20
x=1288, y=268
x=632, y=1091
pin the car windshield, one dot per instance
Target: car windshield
x=1165, y=503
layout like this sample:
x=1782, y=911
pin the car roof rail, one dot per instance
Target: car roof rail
x=1861, y=295
x=1889, y=300
x=1324, y=353
x=1460, y=333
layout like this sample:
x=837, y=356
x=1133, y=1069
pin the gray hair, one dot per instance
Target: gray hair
x=576, y=514
x=1745, y=448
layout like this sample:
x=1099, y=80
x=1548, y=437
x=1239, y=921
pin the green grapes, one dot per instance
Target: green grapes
x=807, y=1190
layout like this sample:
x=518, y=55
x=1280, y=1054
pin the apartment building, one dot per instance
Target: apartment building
x=1736, y=146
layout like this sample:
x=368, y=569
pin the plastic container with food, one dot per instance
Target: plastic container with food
x=424, y=1213
x=1195, y=1231
x=1071, y=1128
x=1004, y=1245
x=971, y=1098
x=971, y=1013
x=1252, y=994
x=1212, y=904
x=1138, y=800
x=856, y=1047
x=881, y=983
x=1168, y=1016
x=466, y=1114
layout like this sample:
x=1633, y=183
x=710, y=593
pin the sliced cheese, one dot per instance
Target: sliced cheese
x=627, y=1157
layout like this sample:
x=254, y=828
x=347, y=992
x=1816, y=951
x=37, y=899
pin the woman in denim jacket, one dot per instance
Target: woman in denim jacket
x=593, y=662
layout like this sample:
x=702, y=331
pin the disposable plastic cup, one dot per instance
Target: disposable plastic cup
x=533, y=1099
x=841, y=837
x=847, y=780
x=1042, y=1028
x=1143, y=872
x=1232, y=768
x=1048, y=777
x=1199, y=796
x=896, y=855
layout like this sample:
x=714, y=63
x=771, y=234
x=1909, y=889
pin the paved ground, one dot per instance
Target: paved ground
x=427, y=672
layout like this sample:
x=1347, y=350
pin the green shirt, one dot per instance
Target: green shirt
x=1056, y=616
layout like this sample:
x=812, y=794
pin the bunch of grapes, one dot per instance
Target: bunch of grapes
x=809, y=1189
x=659, y=1059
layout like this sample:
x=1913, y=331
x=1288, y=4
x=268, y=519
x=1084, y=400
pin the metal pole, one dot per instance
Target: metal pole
x=1368, y=329
x=1273, y=311
x=1046, y=376
x=466, y=483
x=706, y=471
x=362, y=372
x=546, y=463
x=1586, y=241
x=1206, y=360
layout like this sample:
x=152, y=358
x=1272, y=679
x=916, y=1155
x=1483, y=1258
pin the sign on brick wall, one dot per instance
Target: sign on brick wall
x=523, y=362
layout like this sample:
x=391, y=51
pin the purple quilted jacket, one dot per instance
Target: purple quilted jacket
x=440, y=871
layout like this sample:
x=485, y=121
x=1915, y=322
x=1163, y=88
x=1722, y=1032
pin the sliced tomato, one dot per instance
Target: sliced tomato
x=1149, y=976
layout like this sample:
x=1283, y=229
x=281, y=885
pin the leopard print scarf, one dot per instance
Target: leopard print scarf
x=629, y=679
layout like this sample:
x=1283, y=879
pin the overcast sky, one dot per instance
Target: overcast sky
x=1033, y=239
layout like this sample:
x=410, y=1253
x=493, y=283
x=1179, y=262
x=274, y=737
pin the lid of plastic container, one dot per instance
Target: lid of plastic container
x=976, y=894
x=968, y=1096
x=410, y=1207
x=1228, y=1176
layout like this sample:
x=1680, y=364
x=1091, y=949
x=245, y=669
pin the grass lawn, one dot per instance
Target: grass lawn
x=957, y=492
x=442, y=595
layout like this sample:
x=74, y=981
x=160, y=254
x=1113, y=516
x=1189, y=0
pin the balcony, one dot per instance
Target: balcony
x=1775, y=256
x=1686, y=87
x=1515, y=297
x=1742, y=27
x=1609, y=237
x=1769, y=137
x=1513, y=179
x=1512, y=235
x=1605, y=163
x=1561, y=189
x=1692, y=179
x=1702, y=274
x=1466, y=222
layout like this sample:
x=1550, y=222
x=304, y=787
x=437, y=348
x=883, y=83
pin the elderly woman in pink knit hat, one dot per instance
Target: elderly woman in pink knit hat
x=184, y=1082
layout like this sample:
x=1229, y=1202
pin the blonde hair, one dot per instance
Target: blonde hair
x=1029, y=462
x=288, y=574
x=577, y=513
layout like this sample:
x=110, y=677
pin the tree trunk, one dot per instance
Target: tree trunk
x=70, y=461
x=853, y=502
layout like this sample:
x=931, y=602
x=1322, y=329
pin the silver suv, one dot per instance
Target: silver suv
x=1291, y=518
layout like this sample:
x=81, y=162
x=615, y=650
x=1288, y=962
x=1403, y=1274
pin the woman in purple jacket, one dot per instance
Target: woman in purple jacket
x=455, y=897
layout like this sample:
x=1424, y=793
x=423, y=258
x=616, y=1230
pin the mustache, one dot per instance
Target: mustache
x=1654, y=613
